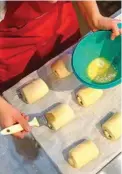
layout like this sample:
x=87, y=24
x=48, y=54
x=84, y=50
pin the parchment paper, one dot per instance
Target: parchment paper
x=85, y=126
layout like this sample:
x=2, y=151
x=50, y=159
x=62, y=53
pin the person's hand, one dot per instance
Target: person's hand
x=10, y=116
x=52, y=1
x=2, y=10
x=106, y=23
x=90, y=10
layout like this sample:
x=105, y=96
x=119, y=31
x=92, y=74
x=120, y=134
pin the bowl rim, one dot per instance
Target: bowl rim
x=94, y=85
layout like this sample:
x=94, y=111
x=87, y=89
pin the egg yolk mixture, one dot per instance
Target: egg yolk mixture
x=101, y=71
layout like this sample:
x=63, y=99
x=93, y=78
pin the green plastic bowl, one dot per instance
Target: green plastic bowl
x=95, y=45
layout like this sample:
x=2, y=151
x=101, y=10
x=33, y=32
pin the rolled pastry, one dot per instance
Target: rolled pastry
x=112, y=127
x=59, y=116
x=88, y=96
x=83, y=154
x=59, y=69
x=34, y=91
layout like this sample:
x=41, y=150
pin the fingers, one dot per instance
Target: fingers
x=20, y=134
x=23, y=121
x=117, y=20
x=115, y=31
x=25, y=117
x=120, y=31
x=94, y=30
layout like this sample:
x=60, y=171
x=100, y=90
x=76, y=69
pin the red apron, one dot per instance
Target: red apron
x=31, y=28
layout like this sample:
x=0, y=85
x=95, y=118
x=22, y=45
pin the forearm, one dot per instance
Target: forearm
x=89, y=9
x=3, y=104
x=2, y=10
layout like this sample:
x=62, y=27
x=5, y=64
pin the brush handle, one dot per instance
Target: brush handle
x=18, y=128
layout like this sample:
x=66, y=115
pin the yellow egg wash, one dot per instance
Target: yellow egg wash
x=101, y=70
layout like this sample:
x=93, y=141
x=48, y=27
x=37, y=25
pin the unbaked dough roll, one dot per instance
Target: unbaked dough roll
x=88, y=96
x=59, y=116
x=59, y=69
x=112, y=127
x=34, y=91
x=83, y=154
